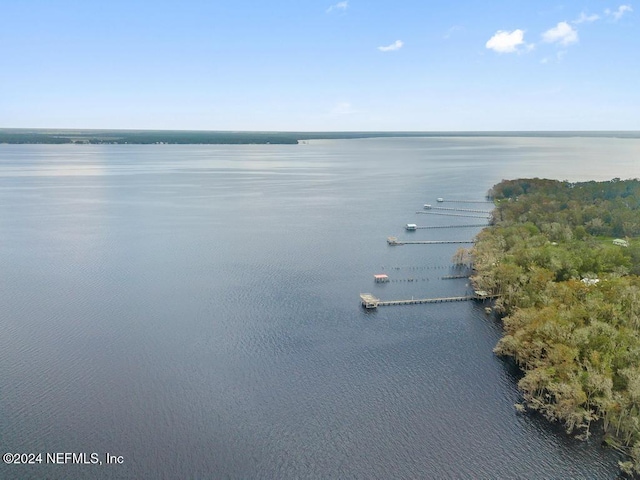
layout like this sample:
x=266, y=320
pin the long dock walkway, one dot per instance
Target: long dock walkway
x=369, y=301
x=452, y=226
x=453, y=214
x=415, y=301
x=395, y=241
x=472, y=210
x=466, y=201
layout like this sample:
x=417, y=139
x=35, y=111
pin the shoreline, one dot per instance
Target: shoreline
x=201, y=137
x=566, y=268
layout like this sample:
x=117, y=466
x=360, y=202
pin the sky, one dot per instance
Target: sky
x=313, y=65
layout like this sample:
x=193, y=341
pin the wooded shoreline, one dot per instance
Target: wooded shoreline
x=565, y=258
x=205, y=137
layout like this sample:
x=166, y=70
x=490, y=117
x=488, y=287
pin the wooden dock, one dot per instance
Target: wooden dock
x=415, y=301
x=466, y=201
x=452, y=226
x=395, y=241
x=471, y=210
x=369, y=301
x=453, y=214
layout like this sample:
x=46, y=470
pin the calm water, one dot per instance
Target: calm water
x=195, y=309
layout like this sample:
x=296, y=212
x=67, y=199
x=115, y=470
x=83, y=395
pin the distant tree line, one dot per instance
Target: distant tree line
x=145, y=137
x=241, y=137
x=148, y=137
x=30, y=138
x=570, y=298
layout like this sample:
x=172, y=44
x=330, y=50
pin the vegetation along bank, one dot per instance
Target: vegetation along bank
x=565, y=259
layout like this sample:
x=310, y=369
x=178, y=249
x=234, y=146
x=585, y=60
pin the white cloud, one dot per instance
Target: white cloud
x=617, y=14
x=338, y=6
x=506, y=42
x=397, y=45
x=584, y=18
x=563, y=33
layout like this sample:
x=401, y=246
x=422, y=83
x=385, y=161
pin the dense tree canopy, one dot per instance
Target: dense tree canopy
x=570, y=299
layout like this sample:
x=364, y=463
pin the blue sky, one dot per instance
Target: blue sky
x=320, y=65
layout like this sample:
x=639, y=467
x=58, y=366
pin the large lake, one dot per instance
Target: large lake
x=195, y=310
